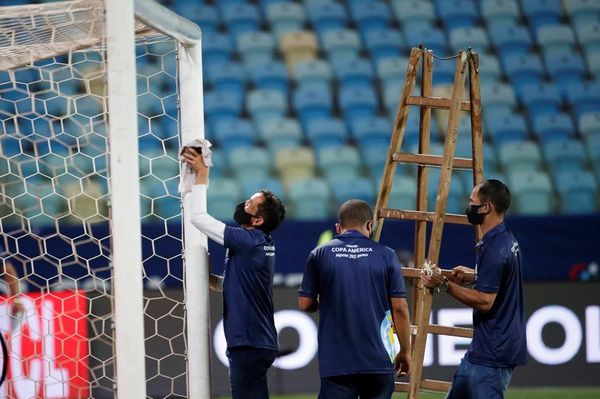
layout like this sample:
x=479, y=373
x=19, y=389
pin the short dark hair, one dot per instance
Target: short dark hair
x=354, y=213
x=272, y=211
x=495, y=192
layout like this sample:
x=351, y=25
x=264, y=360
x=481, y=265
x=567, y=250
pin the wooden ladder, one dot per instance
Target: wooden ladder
x=422, y=298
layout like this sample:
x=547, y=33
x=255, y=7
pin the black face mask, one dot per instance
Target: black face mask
x=473, y=215
x=241, y=216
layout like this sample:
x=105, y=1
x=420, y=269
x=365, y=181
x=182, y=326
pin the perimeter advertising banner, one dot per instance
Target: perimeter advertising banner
x=47, y=346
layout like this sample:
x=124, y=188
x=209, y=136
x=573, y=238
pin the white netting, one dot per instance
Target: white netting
x=55, y=204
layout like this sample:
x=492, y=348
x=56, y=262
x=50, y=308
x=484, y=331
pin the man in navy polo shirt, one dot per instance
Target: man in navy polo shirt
x=357, y=286
x=247, y=284
x=499, y=343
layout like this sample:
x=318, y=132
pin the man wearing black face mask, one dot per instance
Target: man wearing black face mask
x=248, y=281
x=499, y=343
x=356, y=284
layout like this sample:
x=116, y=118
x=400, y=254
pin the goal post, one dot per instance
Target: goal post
x=74, y=110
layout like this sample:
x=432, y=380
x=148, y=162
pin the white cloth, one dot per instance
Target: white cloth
x=213, y=228
x=187, y=176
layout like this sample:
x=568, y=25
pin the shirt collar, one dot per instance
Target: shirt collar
x=499, y=228
x=352, y=234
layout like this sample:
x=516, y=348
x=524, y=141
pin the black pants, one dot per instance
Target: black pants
x=353, y=386
x=248, y=371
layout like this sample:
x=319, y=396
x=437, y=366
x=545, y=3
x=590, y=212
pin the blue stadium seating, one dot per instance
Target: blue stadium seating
x=371, y=131
x=280, y=133
x=511, y=39
x=542, y=12
x=519, y=156
x=403, y=194
x=327, y=16
x=285, y=17
x=264, y=105
x=391, y=71
x=270, y=76
x=505, y=128
x=228, y=77
x=203, y=14
x=550, y=127
x=523, y=71
x=531, y=192
x=311, y=103
x=489, y=69
x=578, y=192
x=313, y=73
x=357, y=102
x=233, y=133
x=457, y=13
x=256, y=48
x=384, y=43
x=462, y=38
x=221, y=105
x=589, y=124
x=356, y=188
x=326, y=132
x=542, y=98
x=341, y=44
x=584, y=98
x=309, y=199
x=556, y=38
x=240, y=18
x=253, y=184
x=222, y=196
x=563, y=155
x=249, y=163
x=583, y=11
x=498, y=99
x=370, y=16
x=500, y=12
x=339, y=163
x=565, y=69
x=353, y=73
x=216, y=48
x=414, y=14
x=588, y=35
x=431, y=37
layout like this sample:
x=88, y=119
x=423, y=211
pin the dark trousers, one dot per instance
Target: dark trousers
x=354, y=386
x=248, y=371
x=472, y=381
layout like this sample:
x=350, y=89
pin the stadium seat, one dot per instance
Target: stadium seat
x=264, y=105
x=374, y=157
x=511, y=39
x=563, y=155
x=523, y=71
x=285, y=17
x=531, y=192
x=234, y=133
x=221, y=105
x=326, y=132
x=541, y=98
x=240, y=18
x=270, y=76
x=361, y=188
x=403, y=194
x=542, y=12
x=505, y=128
x=489, y=69
x=565, y=69
x=370, y=15
x=593, y=63
x=371, y=131
x=341, y=162
x=588, y=35
x=357, y=102
x=519, y=156
x=384, y=43
x=280, y=133
x=498, y=99
x=578, y=192
x=341, y=44
x=311, y=103
x=457, y=196
x=443, y=72
x=582, y=12
x=309, y=199
x=327, y=16
x=589, y=124
x=229, y=76
x=462, y=38
x=500, y=12
x=256, y=47
x=222, y=196
x=556, y=38
x=295, y=163
x=391, y=71
x=457, y=13
x=298, y=46
x=431, y=37
x=414, y=14
x=584, y=98
x=353, y=73
x=254, y=184
x=593, y=149
x=550, y=127
x=313, y=74
x=249, y=163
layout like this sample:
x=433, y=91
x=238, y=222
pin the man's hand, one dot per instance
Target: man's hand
x=196, y=161
x=403, y=362
x=17, y=308
x=462, y=275
x=434, y=280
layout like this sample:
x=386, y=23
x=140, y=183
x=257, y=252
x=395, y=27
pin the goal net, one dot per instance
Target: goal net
x=58, y=210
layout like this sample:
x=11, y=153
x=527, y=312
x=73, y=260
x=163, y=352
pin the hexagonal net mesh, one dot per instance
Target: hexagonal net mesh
x=56, y=314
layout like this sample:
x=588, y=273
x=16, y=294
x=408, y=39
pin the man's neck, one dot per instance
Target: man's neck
x=490, y=222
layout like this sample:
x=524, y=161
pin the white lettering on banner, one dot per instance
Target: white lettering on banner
x=56, y=380
x=567, y=320
x=307, y=333
x=301, y=357
x=448, y=354
x=592, y=334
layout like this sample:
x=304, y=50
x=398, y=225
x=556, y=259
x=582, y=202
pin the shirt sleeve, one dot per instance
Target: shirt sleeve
x=213, y=228
x=489, y=271
x=397, y=289
x=310, y=280
x=238, y=239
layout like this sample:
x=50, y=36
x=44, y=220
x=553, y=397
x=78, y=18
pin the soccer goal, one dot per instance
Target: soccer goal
x=96, y=97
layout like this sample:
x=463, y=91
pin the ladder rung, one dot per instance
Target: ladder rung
x=463, y=332
x=420, y=216
x=432, y=385
x=435, y=102
x=415, y=272
x=431, y=160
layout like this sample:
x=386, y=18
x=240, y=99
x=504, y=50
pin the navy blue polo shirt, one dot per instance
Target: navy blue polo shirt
x=354, y=279
x=248, y=289
x=499, y=334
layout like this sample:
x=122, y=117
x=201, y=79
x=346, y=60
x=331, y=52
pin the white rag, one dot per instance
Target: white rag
x=187, y=176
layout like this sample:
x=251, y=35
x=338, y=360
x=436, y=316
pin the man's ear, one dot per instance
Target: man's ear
x=257, y=221
x=338, y=228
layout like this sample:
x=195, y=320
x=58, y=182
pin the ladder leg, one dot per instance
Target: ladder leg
x=476, y=126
